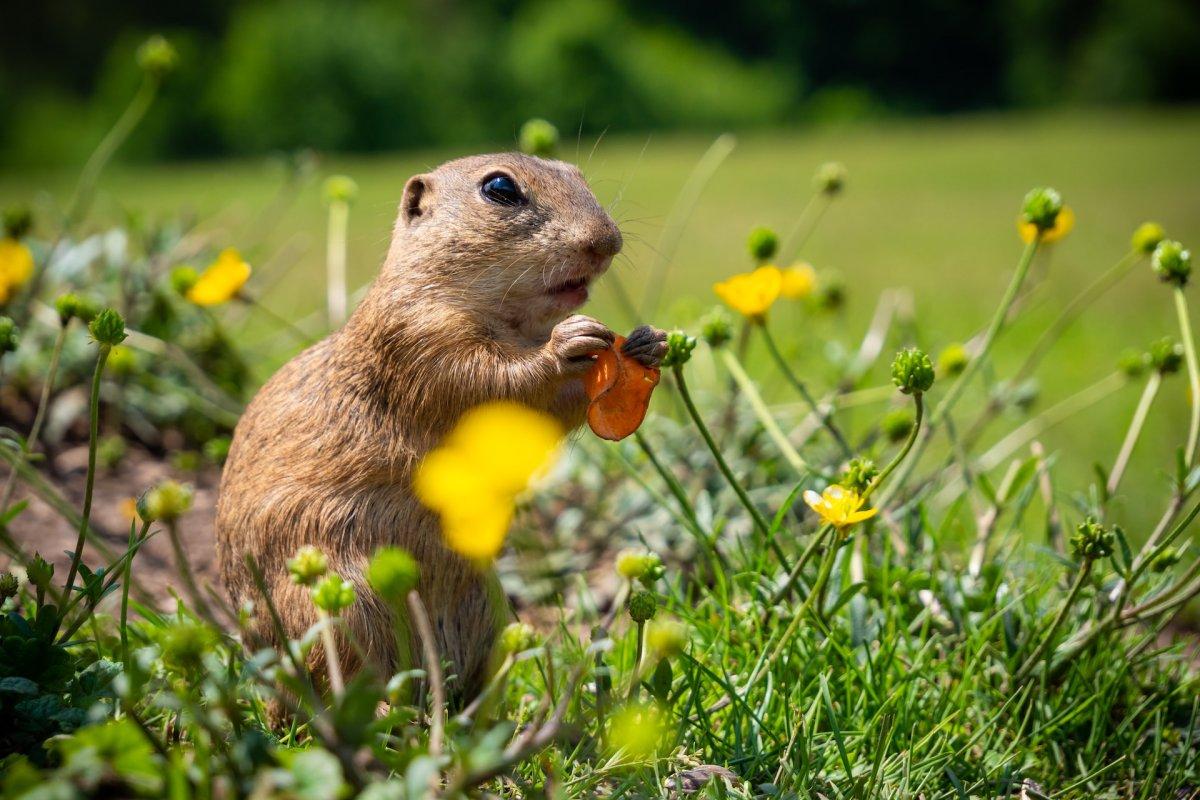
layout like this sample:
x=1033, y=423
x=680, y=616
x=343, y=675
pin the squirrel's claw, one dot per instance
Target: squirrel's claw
x=647, y=345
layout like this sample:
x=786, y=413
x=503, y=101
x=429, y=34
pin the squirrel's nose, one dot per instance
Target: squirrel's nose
x=603, y=242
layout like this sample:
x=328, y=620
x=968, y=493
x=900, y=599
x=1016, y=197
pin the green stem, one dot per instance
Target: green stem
x=332, y=663
x=133, y=548
x=183, y=566
x=1134, y=432
x=948, y=402
x=303, y=337
x=919, y=416
x=1189, y=349
x=639, y=653
x=798, y=385
x=108, y=146
x=39, y=417
x=90, y=485
x=335, y=263
x=756, y=516
x=677, y=219
x=1048, y=637
x=686, y=509
x=801, y=231
x=1071, y=312
x=761, y=411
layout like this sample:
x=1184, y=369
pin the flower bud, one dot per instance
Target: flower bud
x=666, y=637
x=1042, y=207
x=716, y=328
x=10, y=335
x=1146, y=237
x=831, y=291
x=1132, y=363
x=1165, y=560
x=830, y=178
x=635, y=565
x=538, y=137
x=912, y=371
x=167, y=501
x=762, y=243
x=8, y=586
x=308, y=566
x=517, y=637
x=183, y=278
x=216, y=449
x=679, y=349
x=156, y=56
x=953, y=360
x=1091, y=540
x=642, y=605
x=1166, y=356
x=393, y=573
x=1172, y=263
x=859, y=474
x=72, y=306
x=40, y=572
x=333, y=595
x=107, y=328
x=17, y=221
x=340, y=189
x=897, y=424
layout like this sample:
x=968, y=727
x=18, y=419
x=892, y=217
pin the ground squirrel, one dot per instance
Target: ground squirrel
x=488, y=256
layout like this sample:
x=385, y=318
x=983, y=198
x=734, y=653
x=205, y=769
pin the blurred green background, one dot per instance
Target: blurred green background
x=944, y=114
x=381, y=75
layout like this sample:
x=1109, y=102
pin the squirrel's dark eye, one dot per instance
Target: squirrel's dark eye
x=502, y=190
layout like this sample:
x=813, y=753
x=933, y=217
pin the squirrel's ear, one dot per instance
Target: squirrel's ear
x=416, y=202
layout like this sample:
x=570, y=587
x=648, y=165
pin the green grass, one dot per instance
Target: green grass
x=930, y=205
x=862, y=662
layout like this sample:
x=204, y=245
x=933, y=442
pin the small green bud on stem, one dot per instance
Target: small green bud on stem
x=1172, y=262
x=1041, y=208
x=679, y=349
x=538, y=137
x=762, y=243
x=912, y=371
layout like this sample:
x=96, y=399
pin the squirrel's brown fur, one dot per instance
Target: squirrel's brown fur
x=463, y=311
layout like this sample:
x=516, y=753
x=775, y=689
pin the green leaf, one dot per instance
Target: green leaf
x=316, y=775
x=661, y=680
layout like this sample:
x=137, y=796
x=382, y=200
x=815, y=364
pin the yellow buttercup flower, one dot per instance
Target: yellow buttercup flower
x=839, y=506
x=16, y=267
x=751, y=293
x=223, y=279
x=473, y=478
x=1063, y=224
x=799, y=281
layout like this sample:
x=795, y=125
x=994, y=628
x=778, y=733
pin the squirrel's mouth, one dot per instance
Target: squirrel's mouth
x=571, y=293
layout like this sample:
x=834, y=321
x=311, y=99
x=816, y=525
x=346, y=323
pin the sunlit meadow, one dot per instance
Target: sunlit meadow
x=911, y=514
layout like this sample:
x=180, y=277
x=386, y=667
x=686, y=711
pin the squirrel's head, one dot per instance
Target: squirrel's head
x=512, y=234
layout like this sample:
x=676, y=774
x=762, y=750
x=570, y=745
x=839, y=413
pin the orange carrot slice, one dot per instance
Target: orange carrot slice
x=619, y=389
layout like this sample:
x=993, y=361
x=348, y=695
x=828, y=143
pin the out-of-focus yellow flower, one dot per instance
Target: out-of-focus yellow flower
x=129, y=510
x=223, y=279
x=1063, y=224
x=16, y=267
x=799, y=281
x=637, y=731
x=751, y=293
x=473, y=478
x=839, y=506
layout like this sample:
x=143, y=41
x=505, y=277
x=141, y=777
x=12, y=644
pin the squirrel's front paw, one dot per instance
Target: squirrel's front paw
x=646, y=345
x=577, y=338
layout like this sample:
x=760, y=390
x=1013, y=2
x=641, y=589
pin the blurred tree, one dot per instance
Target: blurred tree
x=373, y=74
